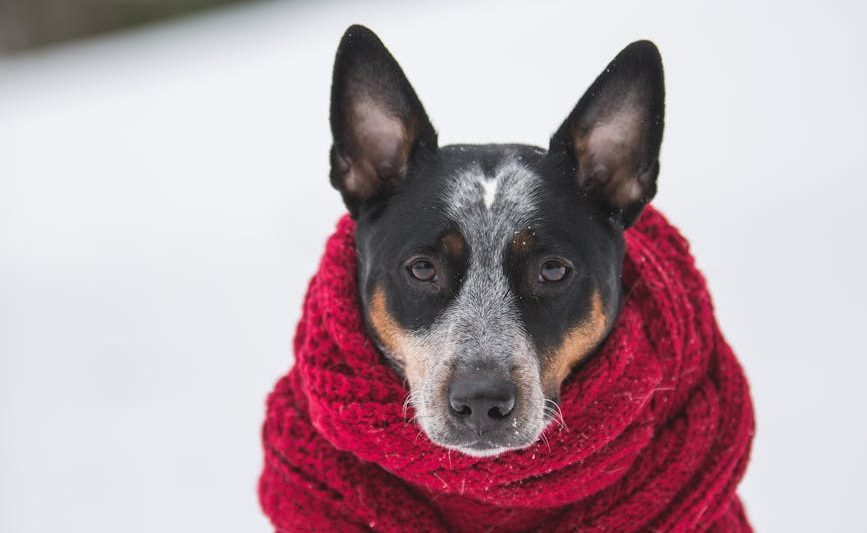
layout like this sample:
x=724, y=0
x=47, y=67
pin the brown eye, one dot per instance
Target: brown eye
x=423, y=270
x=553, y=271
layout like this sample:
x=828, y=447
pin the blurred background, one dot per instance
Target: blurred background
x=28, y=24
x=164, y=199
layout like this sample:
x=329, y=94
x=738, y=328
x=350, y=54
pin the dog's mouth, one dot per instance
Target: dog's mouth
x=516, y=436
x=491, y=446
x=483, y=448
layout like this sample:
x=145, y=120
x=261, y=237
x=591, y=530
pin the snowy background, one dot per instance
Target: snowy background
x=164, y=198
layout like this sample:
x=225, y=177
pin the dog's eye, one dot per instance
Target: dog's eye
x=553, y=271
x=423, y=270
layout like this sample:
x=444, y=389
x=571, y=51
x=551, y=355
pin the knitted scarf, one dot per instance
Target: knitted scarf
x=656, y=434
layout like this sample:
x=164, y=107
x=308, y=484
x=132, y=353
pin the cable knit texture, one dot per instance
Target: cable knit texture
x=658, y=423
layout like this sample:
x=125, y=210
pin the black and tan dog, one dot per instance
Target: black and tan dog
x=487, y=272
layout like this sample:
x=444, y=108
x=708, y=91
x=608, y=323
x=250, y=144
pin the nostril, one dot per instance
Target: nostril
x=502, y=408
x=462, y=411
x=497, y=414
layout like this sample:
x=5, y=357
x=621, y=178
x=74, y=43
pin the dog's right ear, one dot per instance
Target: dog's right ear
x=377, y=122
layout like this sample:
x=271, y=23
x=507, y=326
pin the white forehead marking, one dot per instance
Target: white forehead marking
x=490, y=190
x=508, y=196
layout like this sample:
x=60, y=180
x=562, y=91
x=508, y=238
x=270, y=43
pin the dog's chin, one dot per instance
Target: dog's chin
x=484, y=447
x=484, y=450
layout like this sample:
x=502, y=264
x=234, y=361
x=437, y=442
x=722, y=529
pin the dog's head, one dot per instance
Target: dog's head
x=487, y=272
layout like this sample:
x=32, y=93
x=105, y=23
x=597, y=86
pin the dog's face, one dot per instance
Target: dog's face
x=487, y=273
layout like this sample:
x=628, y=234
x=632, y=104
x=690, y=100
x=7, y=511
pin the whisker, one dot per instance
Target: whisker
x=559, y=412
x=406, y=404
x=549, y=414
x=545, y=440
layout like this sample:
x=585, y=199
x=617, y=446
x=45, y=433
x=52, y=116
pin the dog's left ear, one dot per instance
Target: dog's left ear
x=612, y=137
x=377, y=121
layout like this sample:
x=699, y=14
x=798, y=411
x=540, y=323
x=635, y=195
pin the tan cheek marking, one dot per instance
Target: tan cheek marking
x=577, y=344
x=453, y=243
x=395, y=339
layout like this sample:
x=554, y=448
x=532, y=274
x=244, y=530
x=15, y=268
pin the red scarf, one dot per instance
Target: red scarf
x=657, y=434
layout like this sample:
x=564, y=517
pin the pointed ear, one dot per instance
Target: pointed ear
x=377, y=121
x=613, y=134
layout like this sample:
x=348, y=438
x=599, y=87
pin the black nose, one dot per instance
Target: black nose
x=481, y=401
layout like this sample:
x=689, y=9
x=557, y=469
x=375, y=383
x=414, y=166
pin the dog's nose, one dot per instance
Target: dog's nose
x=481, y=401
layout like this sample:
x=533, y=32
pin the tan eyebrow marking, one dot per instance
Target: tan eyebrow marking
x=523, y=240
x=453, y=243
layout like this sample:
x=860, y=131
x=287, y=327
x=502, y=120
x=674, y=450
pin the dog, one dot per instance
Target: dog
x=488, y=273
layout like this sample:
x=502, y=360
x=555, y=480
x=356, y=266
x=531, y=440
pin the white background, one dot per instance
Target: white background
x=164, y=198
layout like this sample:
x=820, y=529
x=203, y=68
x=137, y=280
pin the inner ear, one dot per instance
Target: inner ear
x=613, y=159
x=614, y=133
x=379, y=150
x=377, y=121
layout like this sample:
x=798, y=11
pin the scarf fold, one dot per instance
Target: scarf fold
x=656, y=430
